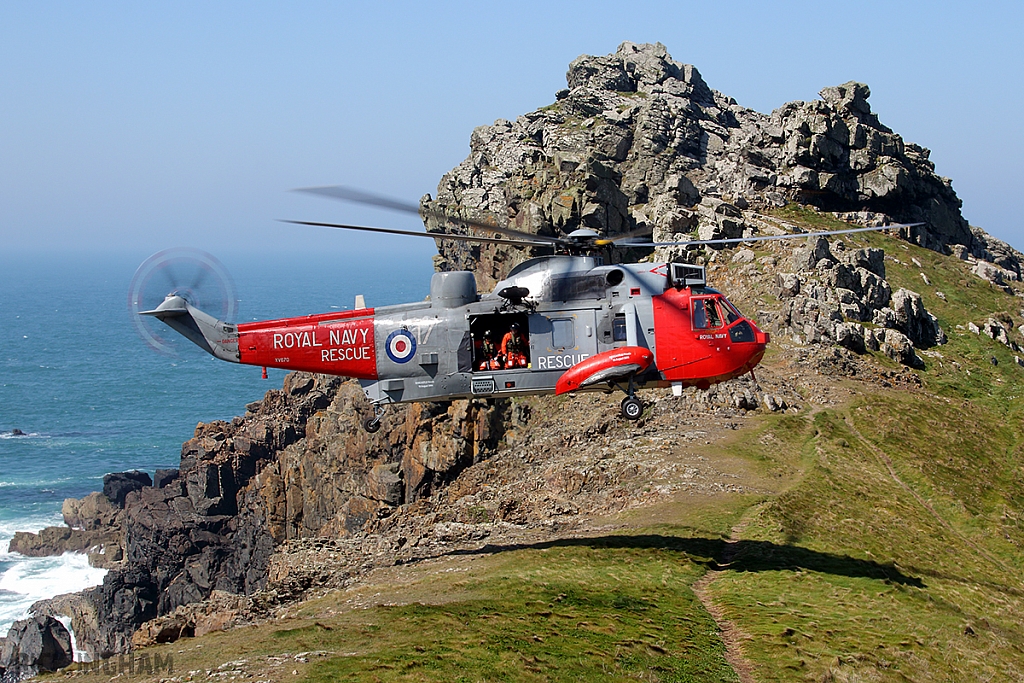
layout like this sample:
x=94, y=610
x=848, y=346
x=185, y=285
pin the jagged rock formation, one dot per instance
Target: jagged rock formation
x=182, y=541
x=830, y=296
x=638, y=138
x=286, y=470
x=550, y=471
x=34, y=645
x=92, y=525
x=117, y=485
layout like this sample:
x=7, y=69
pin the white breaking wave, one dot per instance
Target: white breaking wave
x=26, y=580
x=30, y=579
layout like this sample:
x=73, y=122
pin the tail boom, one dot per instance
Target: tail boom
x=217, y=338
x=340, y=344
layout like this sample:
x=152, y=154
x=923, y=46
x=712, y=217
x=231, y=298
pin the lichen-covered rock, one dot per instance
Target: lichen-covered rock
x=914, y=320
x=640, y=139
x=894, y=344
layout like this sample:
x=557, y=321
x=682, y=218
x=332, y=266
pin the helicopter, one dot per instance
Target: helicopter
x=568, y=322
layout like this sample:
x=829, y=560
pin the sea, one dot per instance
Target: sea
x=82, y=392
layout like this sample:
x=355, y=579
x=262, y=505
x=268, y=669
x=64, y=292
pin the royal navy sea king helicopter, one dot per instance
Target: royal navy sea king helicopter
x=567, y=322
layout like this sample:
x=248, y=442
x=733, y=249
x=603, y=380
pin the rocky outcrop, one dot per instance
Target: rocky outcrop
x=92, y=526
x=117, y=485
x=103, y=545
x=296, y=465
x=34, y=645
x=841, y=296
x=640, y=139
x=1000, y=330
x=994, y=253
x=94, y=512
x=182, y=541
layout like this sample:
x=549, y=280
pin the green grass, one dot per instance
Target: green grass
x=618, y=608
x=927, y=485
x=937, y=596
x=892, y=550
x=805, y=217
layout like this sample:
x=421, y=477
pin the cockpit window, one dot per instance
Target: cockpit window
x=705, y=314
x=732, y=314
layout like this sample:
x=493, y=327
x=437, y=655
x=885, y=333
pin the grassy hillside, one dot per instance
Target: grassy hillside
x=884, y=544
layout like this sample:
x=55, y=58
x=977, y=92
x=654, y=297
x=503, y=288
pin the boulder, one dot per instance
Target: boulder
x=993, y=273
x=850, y=336
x=93, y=512
x=911, y=318
x=999, y=332
x=894, y=344
x=117, y=485
x=808, y=256
x=34, y=645
x=871, y=259
x=788, y=284
x=162, y=478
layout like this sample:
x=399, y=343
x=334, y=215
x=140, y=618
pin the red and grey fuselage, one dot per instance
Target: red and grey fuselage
x=588, y=325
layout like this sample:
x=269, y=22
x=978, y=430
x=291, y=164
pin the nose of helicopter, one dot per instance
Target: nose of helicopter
x=757, y=349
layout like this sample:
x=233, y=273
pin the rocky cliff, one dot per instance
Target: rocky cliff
x=296, y=465
x=636, y=139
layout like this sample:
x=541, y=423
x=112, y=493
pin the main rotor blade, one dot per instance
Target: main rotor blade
x=359, y=197
x=624, y=236
x=432, y=235
x=763, y=238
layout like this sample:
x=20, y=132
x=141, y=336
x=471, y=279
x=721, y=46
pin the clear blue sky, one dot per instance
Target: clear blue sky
x=150, y=125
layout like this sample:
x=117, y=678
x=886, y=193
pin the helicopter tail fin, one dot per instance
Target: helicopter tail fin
x=217, y=338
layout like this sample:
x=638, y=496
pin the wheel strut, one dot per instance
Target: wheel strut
x=631, y=406
x=372, y=424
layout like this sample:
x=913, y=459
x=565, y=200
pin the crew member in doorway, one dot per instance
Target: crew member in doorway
x=515, y=348
x=489, y=359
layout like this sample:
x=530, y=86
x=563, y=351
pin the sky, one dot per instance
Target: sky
x=142, y=126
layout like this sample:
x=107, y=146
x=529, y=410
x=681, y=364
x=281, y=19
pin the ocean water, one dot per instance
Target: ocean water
x=90, y=397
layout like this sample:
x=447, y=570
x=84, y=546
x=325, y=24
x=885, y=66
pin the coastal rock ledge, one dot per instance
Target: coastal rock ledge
x=296, y=465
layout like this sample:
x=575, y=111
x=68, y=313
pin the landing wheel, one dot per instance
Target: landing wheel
x=632, y=408
x=371, y=425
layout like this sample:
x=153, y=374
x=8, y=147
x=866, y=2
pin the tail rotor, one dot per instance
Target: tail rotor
x=192, y=274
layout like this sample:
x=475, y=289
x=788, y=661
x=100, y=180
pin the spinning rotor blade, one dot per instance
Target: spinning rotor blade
x=349, y=194
x=432, y=235
x=194, y=275
x=763, y=238
x=617, y=240
x=359, y=197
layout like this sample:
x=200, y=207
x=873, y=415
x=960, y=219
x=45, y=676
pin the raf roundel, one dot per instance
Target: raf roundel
x=400, y=346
